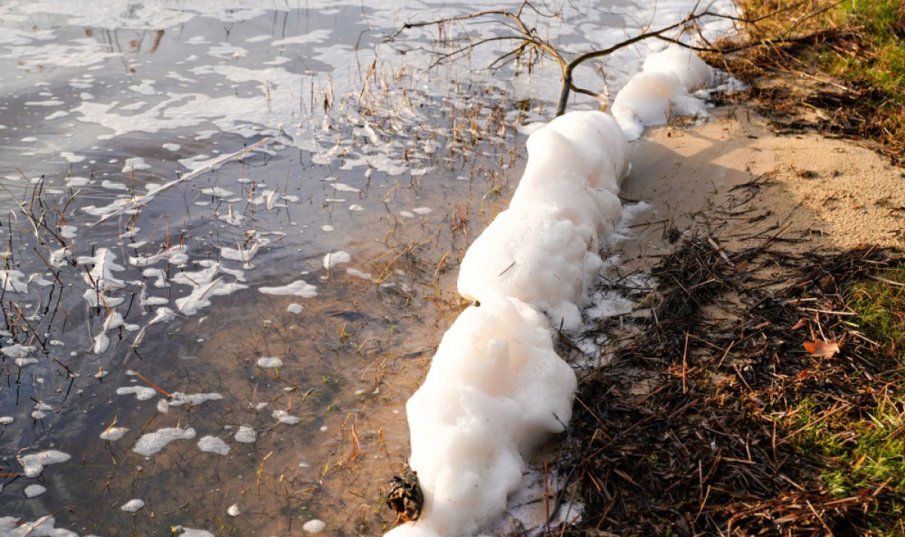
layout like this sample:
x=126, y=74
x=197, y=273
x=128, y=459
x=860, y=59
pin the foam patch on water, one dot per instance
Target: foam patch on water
x=192, y=399
x=333, y=259
x=112, y=434
x=212, y=444
x=42, y=527
x=246, y=435
x=33, y=463
x=189, y=532
x=12, y=281
x=33, y=491
x=283, y=416
x=133, y=506
x=314, y=526
x=18, y=351
x=298, y=288
x=152, y=443
x=142, y=393
x=269, y=362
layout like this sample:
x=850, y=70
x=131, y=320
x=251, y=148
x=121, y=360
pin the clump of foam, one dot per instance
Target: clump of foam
x=112, y=434
x=662, y=90
x=543, y=249
x=151, y=443
x=33, y=463
x=33, y=491
x=527, y=253
x=282, y=416
x=299, y=288
x=245, y=435
x=212, y=444
x=142, y=393
x=496, y=387
x=190, y=532
x=42, y=527
x=269, y=362
x=133, y=505
x=192, y=399
x=336, y=258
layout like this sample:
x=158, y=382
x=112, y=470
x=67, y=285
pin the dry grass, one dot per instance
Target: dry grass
x=713, y=419
x=841, y=67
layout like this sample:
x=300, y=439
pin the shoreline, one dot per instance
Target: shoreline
x=765, y=207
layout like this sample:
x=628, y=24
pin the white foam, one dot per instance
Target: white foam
x=693, y=73
x=313, y=36
x=112, y=434
x=528, y=254
x=314, y=526
x=33, y=463
x=298, y=288
x=662, y=91
x=101, y=276
x=151, y=443
x=17, y=350
x=133, y=164
x=495, y=388
x=133, y=505
x=244, y=252
x=333, y=259
x=12, y=281
x=189, y=532
x=192, y=399
x=32, y=491
x=142, y=393
x=212, y=444
x=42, y=527
x=245, y=435
x=269, y=362
x=283, y=416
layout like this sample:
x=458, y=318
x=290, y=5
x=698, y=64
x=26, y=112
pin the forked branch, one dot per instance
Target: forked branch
x=528, y=39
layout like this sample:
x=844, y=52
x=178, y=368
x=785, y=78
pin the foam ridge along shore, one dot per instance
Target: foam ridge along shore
x=496, y=387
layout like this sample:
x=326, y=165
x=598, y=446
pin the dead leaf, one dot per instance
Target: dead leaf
x=822, y=349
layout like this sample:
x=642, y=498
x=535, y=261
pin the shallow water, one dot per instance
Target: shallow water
x=144, y=262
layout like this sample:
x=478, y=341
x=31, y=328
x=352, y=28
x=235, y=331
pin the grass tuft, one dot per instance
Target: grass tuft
x=859, y=43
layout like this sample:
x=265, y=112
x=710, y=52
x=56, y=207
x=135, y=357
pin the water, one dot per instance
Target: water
x=141, y=265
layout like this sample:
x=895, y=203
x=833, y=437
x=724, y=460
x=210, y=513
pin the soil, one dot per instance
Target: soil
x=752, y=237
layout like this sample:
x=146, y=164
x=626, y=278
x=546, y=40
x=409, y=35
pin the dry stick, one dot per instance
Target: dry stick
x=529, y=38
x=685, y=364
x=141, y=200
x=152, y=384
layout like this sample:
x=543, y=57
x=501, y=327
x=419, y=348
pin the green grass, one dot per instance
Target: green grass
x=881, y=310
x=867, y=54
x=858, y=452
x=879, y=58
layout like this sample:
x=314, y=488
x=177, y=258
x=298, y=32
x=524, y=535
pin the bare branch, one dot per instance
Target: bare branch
x=530, y=39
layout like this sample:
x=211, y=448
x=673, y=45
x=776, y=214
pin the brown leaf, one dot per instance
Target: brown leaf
x=822, y=349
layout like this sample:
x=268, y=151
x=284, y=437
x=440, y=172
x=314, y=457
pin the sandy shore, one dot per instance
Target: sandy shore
x=819, y=192
x=687, y=426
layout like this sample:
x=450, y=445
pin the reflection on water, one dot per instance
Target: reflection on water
x=172, y=326
x=266, y=311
